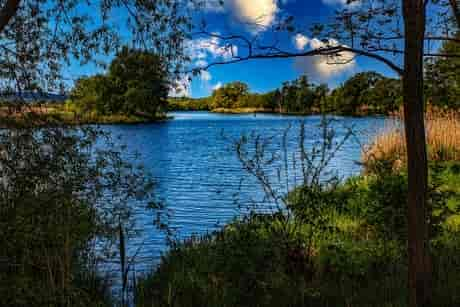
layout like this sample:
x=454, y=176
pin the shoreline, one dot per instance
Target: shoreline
x=54, y=119
x=269, y=111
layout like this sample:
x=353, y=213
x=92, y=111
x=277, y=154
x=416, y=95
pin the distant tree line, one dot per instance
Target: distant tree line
x=136, y=83
x=367, y=92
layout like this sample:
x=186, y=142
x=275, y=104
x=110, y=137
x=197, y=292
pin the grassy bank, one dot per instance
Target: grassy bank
x=340, y=243
x=353, y=257
x=52, y=115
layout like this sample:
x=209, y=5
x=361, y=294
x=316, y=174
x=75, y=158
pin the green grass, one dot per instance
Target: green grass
x=354, y=257
x=60, y=115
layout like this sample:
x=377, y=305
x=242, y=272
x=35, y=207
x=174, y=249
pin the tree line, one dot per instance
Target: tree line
x=363, y=93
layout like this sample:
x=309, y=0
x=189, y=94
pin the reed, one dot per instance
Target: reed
x=443, y=140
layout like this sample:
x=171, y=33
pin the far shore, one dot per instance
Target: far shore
x=43, y=116
x=271, y=111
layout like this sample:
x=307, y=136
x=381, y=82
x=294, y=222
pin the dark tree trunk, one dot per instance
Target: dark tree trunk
x=7, y=12
x=418, y=249
x=455, y=4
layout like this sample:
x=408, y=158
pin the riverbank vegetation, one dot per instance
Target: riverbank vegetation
x=135, y=85
x=443, y=140
x=63, y=200
x=134, y=90
x=341, y=243
x=367, y=93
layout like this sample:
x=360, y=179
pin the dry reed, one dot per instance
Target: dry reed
x=443, y=139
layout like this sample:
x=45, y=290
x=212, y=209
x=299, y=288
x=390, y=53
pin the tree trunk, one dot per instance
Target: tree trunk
x=7, y=12
x=418, y=249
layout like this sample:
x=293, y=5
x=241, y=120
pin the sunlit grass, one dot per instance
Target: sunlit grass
x=443, y=139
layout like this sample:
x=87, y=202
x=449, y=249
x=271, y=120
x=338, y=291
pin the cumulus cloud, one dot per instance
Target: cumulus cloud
x=203, y=48
x=322, y=68
x=205, y=76
x=301, y=41
x=181, y=88
x=210, y=49
x=217, y=86
x=254, y=12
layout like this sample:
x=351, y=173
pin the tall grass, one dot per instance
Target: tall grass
x=443, y=139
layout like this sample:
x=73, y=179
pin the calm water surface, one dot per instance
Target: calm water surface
x=199, y=176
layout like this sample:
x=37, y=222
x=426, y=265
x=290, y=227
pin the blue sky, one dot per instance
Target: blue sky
x=265, y=75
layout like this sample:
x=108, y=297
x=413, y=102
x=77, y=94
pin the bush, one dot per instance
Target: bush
x=54, y=203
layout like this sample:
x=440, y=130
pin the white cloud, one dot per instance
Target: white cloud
x=181, y=88
x=201, y=63
x=217, y=86
x=205, y=76
x=202, y=51
x=301, y=41
x=256, y=13
x=203, y=48
x=321, y=67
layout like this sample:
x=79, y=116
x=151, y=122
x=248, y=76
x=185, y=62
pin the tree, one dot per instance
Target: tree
x=39, y=41
x=91, y=95
x=443, y=77
x=230, y=95
x=139, y=81
x=389, y=31
x=58, y=192
x=367, y=91
x=136, y=84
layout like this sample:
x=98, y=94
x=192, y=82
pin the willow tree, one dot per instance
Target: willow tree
x=399, y=34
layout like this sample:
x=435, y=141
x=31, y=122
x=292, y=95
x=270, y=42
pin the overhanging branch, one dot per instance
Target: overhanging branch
x=327, y=51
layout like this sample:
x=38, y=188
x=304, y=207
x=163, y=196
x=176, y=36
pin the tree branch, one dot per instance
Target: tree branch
x=327, y=51
x=7, y=12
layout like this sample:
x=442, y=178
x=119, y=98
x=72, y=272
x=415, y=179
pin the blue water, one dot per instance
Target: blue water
x=199, y=177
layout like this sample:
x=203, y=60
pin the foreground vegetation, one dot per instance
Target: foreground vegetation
x=62, y=205
x=339, y=243
x=356, y=258
x=443, y=140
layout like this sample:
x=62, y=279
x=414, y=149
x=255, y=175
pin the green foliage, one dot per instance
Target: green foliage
x=60, y=192
x=136, y=84
x=367, y=92
x=189, y=104
x=300, y=96
x=356, y=260
x=443, y=77
x=231, y=95
x=364, y=93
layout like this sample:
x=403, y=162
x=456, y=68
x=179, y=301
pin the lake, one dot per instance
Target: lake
x=200, y=178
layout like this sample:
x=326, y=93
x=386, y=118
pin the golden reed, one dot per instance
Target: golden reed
x=443, y=139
